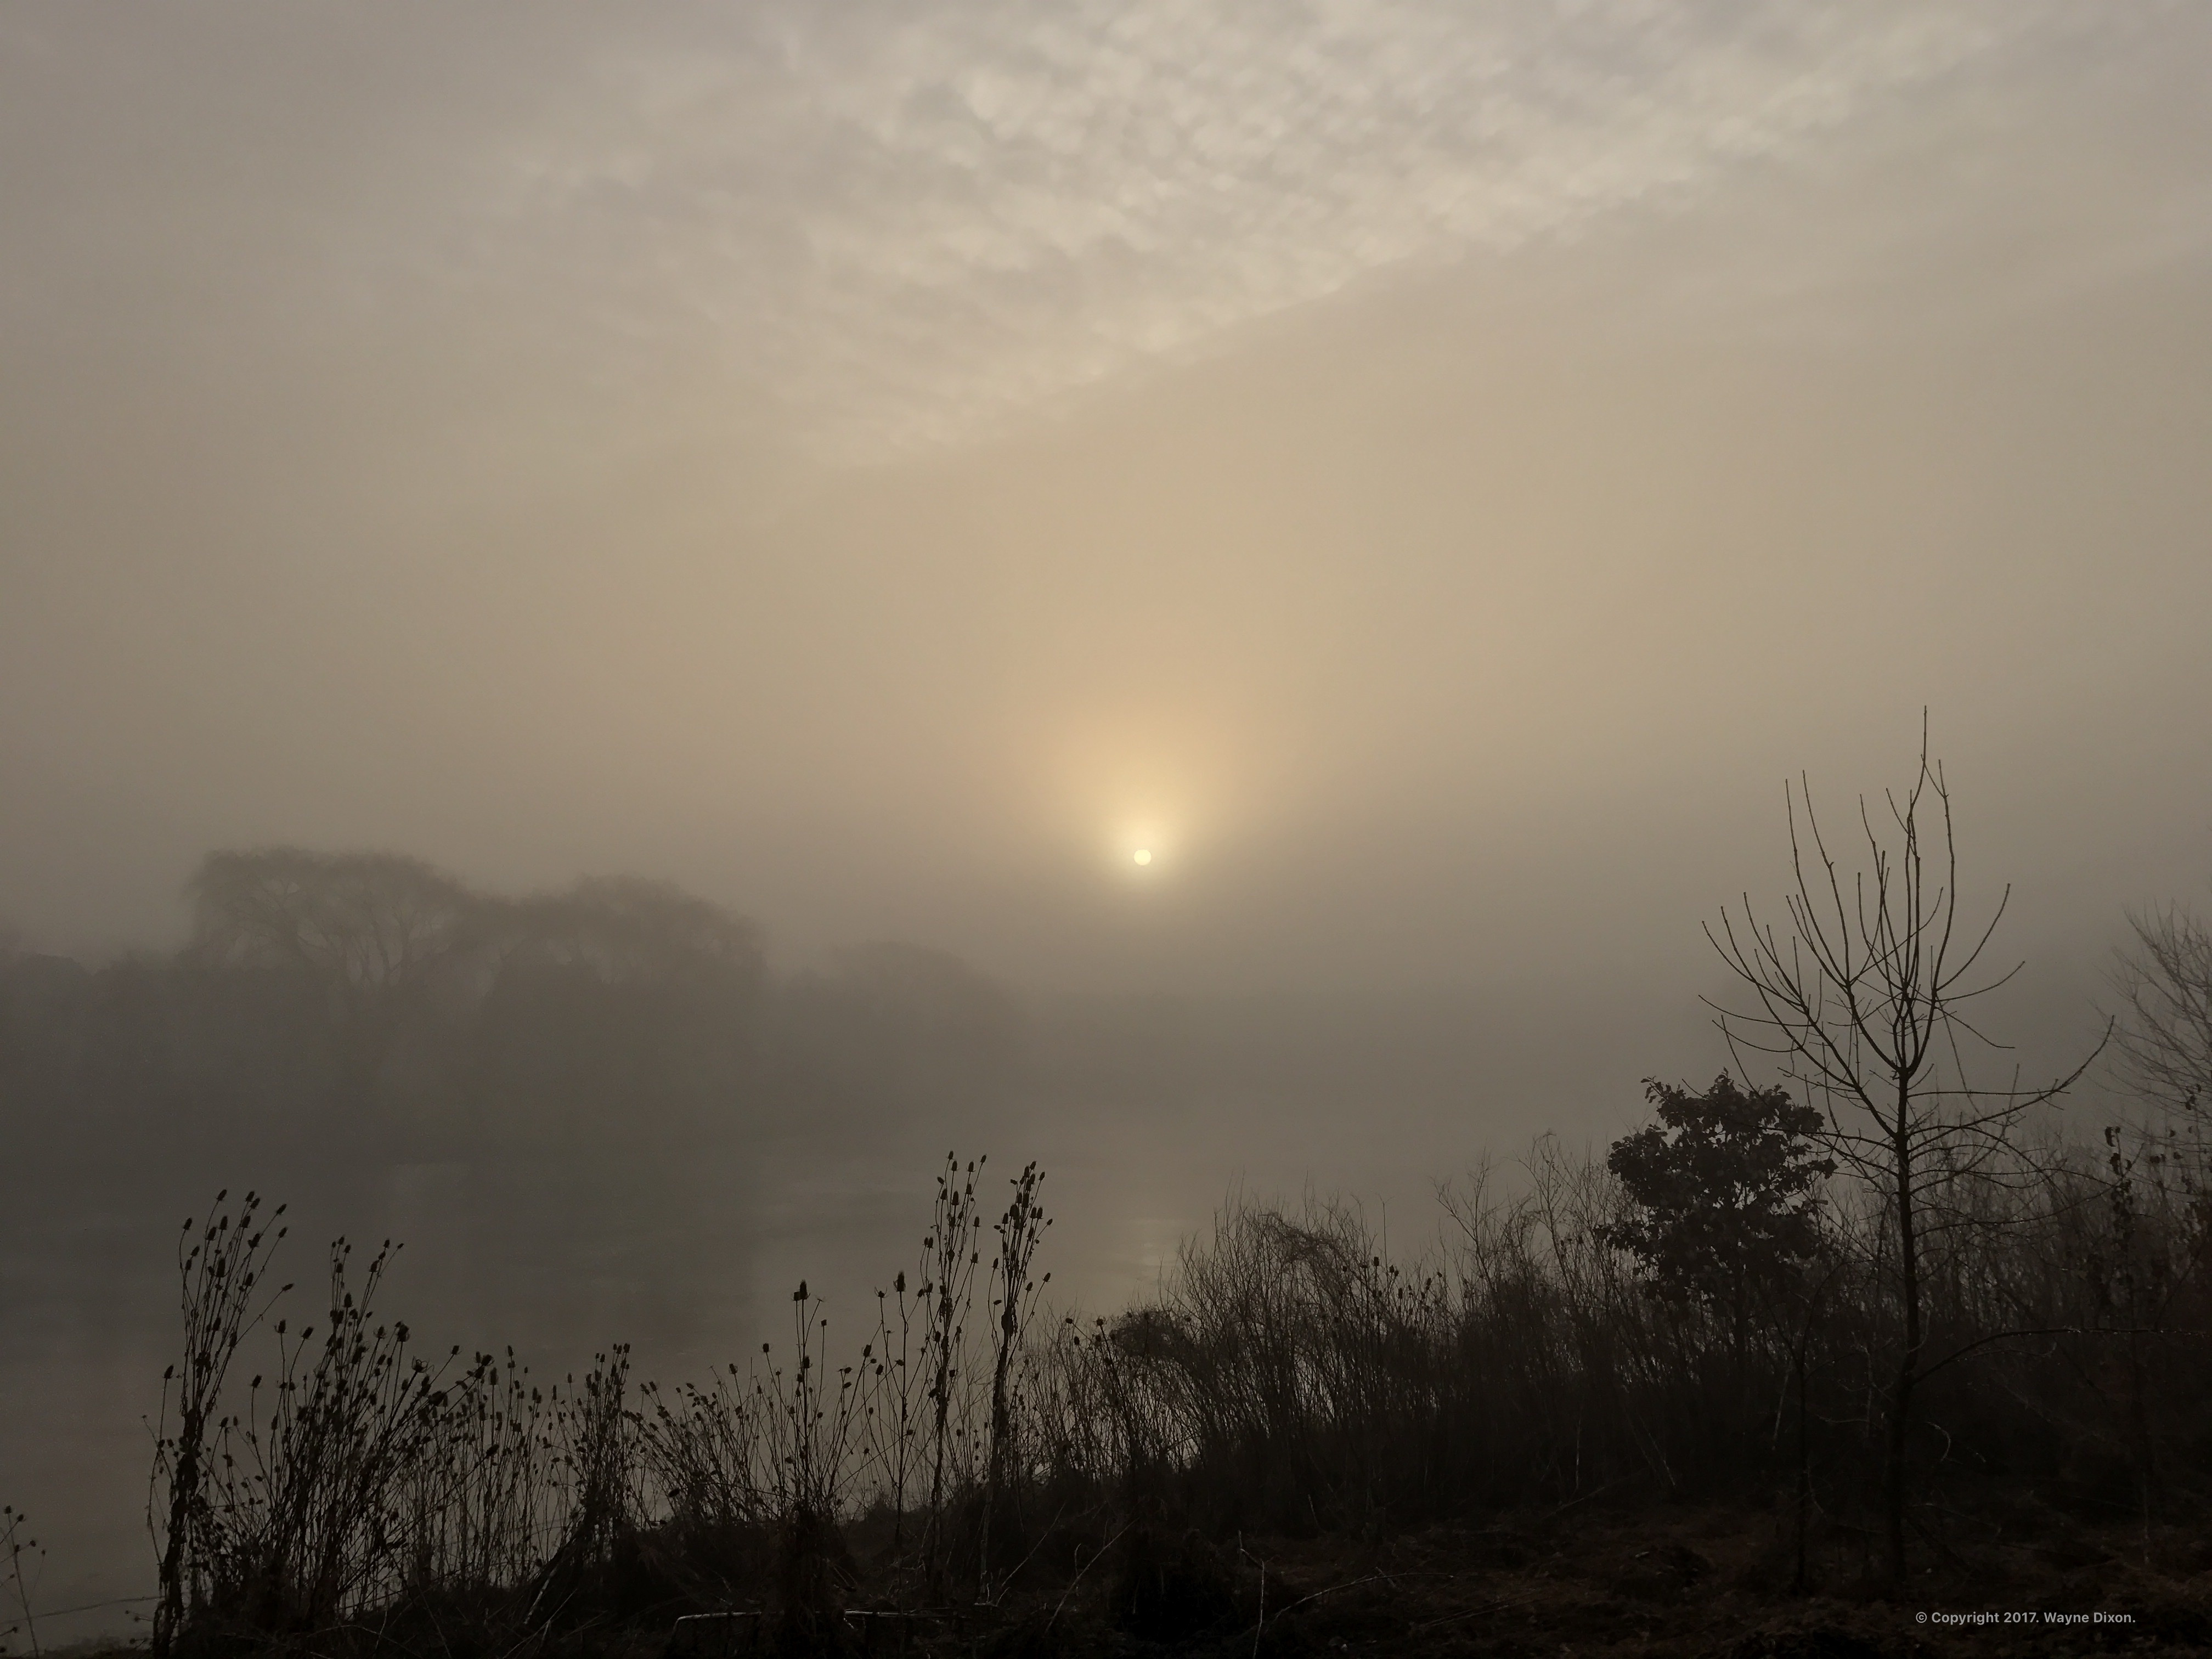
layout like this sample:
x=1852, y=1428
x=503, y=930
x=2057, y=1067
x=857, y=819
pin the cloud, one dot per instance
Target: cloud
x=908, y=222
x=911, y=221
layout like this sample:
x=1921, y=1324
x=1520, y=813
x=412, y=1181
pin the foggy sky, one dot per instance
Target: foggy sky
x=1434, y=476
x=1431, y=471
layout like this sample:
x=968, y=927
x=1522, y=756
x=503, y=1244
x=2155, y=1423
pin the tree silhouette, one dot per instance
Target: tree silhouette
x=2166, y=1041
x=1727, y=1189
x=1863, y=1005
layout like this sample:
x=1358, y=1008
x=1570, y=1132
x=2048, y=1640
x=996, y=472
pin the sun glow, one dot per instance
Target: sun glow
x=1142, y=846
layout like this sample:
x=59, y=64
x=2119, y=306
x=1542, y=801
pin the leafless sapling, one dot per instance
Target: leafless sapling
x=1863, y=1001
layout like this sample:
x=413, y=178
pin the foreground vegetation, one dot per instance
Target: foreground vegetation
x=1534, y=1425
x=1786, y=1369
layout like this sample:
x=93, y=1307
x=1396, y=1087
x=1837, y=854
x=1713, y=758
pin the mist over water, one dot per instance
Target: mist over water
x=576, y=1153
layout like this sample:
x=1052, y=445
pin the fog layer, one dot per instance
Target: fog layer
x=839, y=480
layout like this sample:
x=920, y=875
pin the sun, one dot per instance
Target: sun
x=1142, y=847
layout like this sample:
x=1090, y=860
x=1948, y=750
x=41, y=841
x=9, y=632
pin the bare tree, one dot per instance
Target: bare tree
x=2164, y=978
x=1862, y=1002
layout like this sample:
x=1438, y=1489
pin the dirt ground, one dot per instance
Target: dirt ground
x=1699, y=1584
x=1691, y=1584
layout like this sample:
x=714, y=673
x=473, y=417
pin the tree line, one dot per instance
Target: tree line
x=577, y=1083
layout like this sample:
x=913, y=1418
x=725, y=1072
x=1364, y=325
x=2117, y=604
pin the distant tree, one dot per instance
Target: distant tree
x=1726, y=1186
x=358, y=921
x=1863, y=1005
x=618, y=1010
x=623, y=930
x=378, y=936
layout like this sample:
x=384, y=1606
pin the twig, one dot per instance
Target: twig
x=1008, y=1580
x=1471, y=1613
x=1079, y=1571
x=1350, y=1584
x=1262, y=1624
